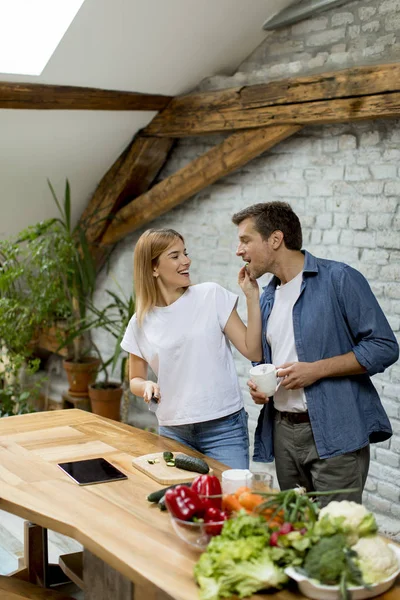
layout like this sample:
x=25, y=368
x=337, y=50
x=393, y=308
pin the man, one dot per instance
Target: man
x=326, y=333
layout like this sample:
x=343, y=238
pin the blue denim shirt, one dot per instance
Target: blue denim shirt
x=336, y=313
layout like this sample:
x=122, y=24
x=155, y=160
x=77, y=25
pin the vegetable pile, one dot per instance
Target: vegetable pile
x=239, y=561
x=336, y=545
x=256, y=536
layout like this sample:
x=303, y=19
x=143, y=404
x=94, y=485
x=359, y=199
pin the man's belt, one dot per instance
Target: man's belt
x=295, y=417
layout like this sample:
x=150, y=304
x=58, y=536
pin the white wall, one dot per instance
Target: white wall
x=133, y=45
x=342, y=180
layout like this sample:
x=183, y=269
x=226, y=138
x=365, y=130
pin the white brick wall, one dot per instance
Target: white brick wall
x=340, y=179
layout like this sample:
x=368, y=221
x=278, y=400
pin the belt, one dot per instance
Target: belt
x=295, y=417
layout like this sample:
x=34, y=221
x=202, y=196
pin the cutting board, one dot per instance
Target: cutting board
x=160, y=472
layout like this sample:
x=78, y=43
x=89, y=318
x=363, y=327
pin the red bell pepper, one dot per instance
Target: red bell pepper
x=208, y=485
x=213, y=520
x=183, y=503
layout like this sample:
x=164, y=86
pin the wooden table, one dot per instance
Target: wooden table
x=113, y=521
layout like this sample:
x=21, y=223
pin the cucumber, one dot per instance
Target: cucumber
x=158, y=494
x=161, y=504
x=168, y=456
x=190, y=463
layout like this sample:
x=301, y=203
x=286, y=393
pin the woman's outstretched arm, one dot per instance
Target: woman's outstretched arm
x=247, y=339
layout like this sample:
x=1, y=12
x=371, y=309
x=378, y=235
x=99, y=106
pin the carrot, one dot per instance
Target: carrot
x=249, y=501
x=274, y=524
x=230, y=503
x=267, y=513
x=241, y=490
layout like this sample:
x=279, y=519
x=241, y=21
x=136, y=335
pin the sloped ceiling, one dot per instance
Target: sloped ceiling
x=154, y=46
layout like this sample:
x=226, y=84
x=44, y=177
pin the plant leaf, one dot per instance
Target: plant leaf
x=67, y=206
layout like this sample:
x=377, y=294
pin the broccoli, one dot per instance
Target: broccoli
x=326, y=560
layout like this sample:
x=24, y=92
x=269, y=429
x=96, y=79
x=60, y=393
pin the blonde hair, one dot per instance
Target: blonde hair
x=151, y=244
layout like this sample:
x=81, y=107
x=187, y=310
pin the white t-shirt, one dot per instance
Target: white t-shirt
x=185, y=346
x=280, y=337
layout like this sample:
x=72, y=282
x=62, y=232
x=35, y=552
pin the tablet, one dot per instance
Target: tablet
x=93, y=470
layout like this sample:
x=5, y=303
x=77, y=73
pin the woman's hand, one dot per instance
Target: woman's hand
x=249, y=286
x=151, y=389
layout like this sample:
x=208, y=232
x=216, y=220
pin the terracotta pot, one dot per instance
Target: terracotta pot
x=106, y=402
x=81, y=375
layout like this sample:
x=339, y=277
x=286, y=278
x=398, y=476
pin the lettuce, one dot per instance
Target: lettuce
x=239, y=561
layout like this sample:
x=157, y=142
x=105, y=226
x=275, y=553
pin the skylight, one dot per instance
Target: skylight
x=30, y=31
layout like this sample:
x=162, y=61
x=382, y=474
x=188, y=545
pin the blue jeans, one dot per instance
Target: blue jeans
x=225, y=439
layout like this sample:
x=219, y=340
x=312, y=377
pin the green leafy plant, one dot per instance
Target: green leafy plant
x=47, y=273
x=31, y=284
x=15, y=398
x=114, y=319
x=32, y=266
x=78, y=279
x=47, y=277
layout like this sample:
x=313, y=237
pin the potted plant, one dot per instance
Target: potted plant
x=31, y=286
x=47, y=277
x=78, y=279
x=31, y=294
x=105, y=395
x=15, y=397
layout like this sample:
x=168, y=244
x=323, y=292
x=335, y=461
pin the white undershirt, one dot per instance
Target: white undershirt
x=185, y=345
x=280, y=337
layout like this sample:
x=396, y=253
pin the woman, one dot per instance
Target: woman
x=182, y=331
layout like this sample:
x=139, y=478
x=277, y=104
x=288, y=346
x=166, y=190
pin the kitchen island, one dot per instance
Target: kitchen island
x=126, y=539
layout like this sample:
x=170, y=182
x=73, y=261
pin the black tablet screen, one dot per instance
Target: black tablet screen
x=93, y=470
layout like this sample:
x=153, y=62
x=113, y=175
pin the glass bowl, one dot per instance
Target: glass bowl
x=196, y=535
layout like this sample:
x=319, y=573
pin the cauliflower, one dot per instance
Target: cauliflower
x=376, y=559
x=347, y=517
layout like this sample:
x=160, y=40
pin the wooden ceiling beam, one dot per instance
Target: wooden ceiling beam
x=354, y=94
x=232, y=153
x=61, y=97
x=131, y=175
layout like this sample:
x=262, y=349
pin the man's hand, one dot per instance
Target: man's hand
x=258, y=397
x=298, y=375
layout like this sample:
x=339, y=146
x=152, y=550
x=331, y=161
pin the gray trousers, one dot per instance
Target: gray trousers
x=297, y=463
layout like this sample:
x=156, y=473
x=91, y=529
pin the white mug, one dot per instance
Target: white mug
x=266, y=378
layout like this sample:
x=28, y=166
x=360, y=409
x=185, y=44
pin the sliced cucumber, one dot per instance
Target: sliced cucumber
x=171, y=463
x=190, y=463
x=168, y=456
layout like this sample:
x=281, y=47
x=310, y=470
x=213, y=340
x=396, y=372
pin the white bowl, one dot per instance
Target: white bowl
x=311, y=589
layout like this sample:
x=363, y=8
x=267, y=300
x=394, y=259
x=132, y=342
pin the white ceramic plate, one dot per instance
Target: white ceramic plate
x=331, y=592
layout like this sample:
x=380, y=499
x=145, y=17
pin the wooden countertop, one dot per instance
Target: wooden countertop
x=112, y=520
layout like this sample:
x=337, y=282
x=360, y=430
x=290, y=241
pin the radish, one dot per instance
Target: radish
x=285, y=528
